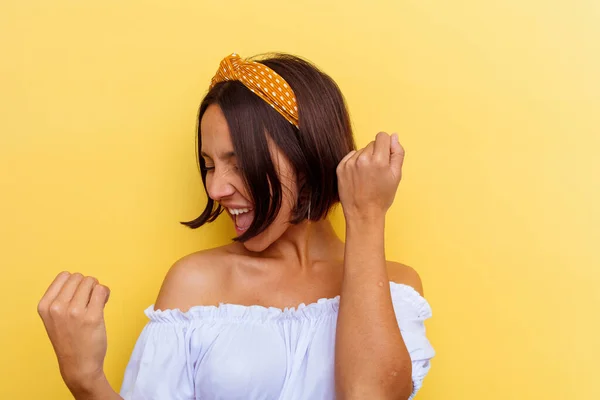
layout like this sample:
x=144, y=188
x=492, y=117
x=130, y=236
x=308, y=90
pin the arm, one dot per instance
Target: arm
x=72, y=310
x=99, y=390
x=371, y=357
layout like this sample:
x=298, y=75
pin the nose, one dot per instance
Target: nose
x=218, y=186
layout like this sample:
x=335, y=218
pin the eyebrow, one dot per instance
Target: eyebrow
x=223, y=156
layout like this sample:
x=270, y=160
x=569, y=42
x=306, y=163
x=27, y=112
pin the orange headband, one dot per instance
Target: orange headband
x=262, y=81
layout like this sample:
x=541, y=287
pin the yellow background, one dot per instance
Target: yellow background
x=496, y=102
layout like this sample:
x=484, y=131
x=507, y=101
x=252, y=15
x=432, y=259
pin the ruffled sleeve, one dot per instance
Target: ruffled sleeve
x=160, y=366
x=411, y=312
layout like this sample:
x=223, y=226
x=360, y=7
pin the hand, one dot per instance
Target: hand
x=72, y=310
x=368, y=178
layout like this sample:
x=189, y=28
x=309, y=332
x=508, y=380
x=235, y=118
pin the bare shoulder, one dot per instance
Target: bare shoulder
x=404, y=274
x=196, y=279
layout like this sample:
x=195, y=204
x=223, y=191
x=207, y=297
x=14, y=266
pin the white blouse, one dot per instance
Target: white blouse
x=256, y=353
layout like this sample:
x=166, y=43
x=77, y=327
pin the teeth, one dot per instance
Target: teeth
x=237, y=211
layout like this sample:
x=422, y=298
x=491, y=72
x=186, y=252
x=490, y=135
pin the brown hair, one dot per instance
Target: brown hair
x=314, y=150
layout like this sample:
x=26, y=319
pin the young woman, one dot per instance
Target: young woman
x=287, y=310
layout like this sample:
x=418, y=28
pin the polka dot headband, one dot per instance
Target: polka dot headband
x=262, y=81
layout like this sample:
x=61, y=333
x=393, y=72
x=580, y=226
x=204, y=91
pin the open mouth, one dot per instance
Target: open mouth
x=242, y=218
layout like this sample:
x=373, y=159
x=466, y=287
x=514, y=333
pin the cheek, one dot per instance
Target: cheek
x=240, y=187
x=278, y=227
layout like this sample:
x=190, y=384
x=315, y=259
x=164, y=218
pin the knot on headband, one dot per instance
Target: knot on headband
x=262, y=81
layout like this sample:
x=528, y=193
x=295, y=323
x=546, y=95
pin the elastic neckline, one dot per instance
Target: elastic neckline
x=318, y=309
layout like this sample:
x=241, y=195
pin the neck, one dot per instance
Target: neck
x=306, y=243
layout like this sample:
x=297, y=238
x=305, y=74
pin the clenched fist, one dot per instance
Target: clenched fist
x=72, y=310
x=368, y=178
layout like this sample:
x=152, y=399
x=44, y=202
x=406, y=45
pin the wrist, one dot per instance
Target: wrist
x=365, y=234
x=365, y=222
x=364, y=254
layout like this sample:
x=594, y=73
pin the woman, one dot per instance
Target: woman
x=276, y=154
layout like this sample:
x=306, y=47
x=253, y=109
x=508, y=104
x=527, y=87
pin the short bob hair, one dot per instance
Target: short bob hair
x=314, y=149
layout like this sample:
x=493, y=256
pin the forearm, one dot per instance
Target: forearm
x=97, y=390
x=371, y=357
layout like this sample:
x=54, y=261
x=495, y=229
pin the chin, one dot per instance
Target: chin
x=262, y=241
x=255, y=246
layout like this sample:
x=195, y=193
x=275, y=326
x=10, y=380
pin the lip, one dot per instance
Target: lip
x=233, y=216
x=238, y=231
x=236, y=206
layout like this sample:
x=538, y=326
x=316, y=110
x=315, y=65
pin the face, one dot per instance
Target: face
x=225, y=183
